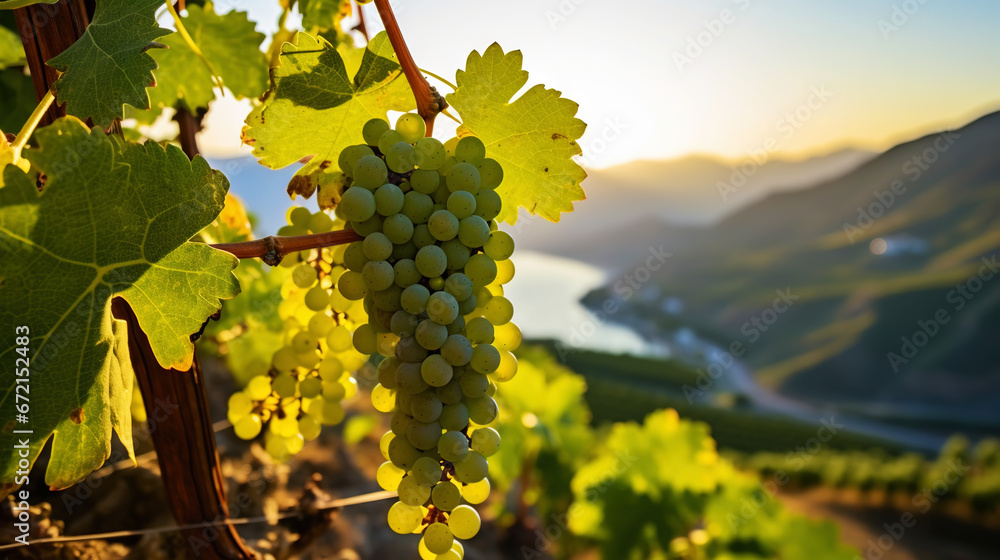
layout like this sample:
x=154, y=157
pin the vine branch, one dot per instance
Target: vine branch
x=274, y=248
x=429, y=101
x=29, y=127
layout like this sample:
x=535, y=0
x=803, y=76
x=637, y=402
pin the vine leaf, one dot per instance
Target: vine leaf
x=230, y=42
x=108, y=66
x=113, y=220
x=533, y=137
x=314, y=109
x=11, y=51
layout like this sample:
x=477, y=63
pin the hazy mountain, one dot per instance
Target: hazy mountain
x=913, y=327
x=694, y=190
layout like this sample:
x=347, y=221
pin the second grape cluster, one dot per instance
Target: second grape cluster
x=430, y=272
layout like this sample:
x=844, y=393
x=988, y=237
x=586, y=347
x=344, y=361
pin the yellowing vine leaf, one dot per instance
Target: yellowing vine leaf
x=108, y=66
x=315, y=109
x=113, y=220
x=533, y=137
x=228, y=41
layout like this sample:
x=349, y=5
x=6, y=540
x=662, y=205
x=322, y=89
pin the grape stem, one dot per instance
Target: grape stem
x=274, y=248
x=429, y=101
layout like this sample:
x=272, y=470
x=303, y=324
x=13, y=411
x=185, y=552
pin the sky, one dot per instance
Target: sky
x=660, y=79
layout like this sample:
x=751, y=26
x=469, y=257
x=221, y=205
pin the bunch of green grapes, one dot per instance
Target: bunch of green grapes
x=310, y=376
x=430, y=274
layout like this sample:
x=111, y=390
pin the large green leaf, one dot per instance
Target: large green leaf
x=229, y=42
x=533, y=137
x=324, y=14
x=11, y=51
x=113, y=220
x=315, y=109
x=108, y=66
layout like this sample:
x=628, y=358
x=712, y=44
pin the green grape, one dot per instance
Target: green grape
x=388, y=199
x=240, y=405
x=333, y=412
x=438, y=538
x=357, y=204
x=403, y=323
x=422, y=237
x=402, y=454
x=472, y=468
x=474, y=384
x=470, y=150
x=409, y=379
x=248, y=427
x=383, y=444
x=398, y=229
x=285, y=360
x=401, y=157
x=458, y=285
x=387, y=140
x=350, y=155
x=452, y=554
x=408, y=350
x=259, y=388
x=304, y=341
x=431, y=335
x=507, y=368
x=457, y=350
x=383, y=399
x=488, y=204
x=386, y=373
x=483, y=410
x=334, y=391
x=505, y=272
x=476, y=492
x=443, y=225
x=284, y=427
x=370, y=172
x=310, y=387
x=451, y=392
x=373, y=129
x=463, y=177
x=364, y=339
x=308, y=359
x=320, y=325
x=446, y=496
x=298, y=217
x=406, y=273
x=352, y=285
x=442, y=308
x=480, y=331
x=467, y=306
x=474, y=232
x=454, y=416
x=406, y=249
x=320, y=222
x=389, y=476
x=339, y=338
x=485, y=358
x=426, y=407
x=425, y=181
x=309, y=427
x=499, y=246
x=432, y=153
x=418, y=207
x=499, y=310
x=481, y=270
x=485, y=441
x=423, y=435
x=411, y=126
x=317, y=298
x=462, y=204
x=432, y=262
x=285, y=385
x=427, y=471
x=369, y=226
x=453, y=446
x=304, y=275
x=403, y=519
x=491, y=173
x=456, y=253
x=354, y=256
x=436, y=283
x=414, y=299
x=464, y=522
x=377, y=247
x=378, y=275
x=436, y=371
